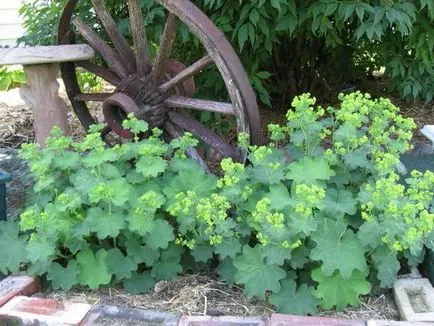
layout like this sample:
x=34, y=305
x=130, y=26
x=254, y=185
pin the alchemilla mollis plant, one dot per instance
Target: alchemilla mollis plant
x=318, y=217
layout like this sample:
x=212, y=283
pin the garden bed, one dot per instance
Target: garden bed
x=205, y=295
x=194, y=295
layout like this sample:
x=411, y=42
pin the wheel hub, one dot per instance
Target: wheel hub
x=141, y=96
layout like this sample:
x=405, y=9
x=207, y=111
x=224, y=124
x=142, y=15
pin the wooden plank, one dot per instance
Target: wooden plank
x=105, y=74
x=45, y=54
x=143, y=61
x=92, y=97
x=109, y=55
x=123, y=48
x=176, y=132
x=166, y=45
x=204, y=133
x=197, y=104
x=187, y=73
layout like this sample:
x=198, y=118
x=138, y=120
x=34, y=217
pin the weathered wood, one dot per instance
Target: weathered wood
x=176, y=132
x=92, y=97
x=41, y=94
x=204, y=133
x=143, y=61
x=166, y=46
x=187, y=73
x=221, y=51
x=197, y=104
x=120, y=43
x=105, y=74
x=109, y=55
x=45, y=54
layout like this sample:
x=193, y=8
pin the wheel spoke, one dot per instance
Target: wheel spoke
x=109, y=55
x=120, y=43
x=204, y=133
x=107, y=75
x=138, y=30
x=176, y=132
x=166, y=45
x=202, y=105
x=92, y=97
x=187, y=73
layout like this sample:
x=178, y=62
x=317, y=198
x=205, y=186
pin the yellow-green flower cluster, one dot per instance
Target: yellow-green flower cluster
x=183, y=204
x=263, y=214
x=232, y=172
x=260, y=153
x=151, y=200
x=308, y=197
x=28, y=219
x=101, y=191
x=288, y=245
x=277, y=132
x=212, y=211
x=191, y=244
x=408, y=208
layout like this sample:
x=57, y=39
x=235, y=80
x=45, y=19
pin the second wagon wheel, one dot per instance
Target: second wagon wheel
x=160, y=90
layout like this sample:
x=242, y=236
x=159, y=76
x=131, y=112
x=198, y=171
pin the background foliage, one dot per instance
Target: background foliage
x=10, y=78
x=317, y=220
x=293, y=46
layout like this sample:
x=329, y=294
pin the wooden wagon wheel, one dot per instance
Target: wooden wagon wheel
x=160, y=91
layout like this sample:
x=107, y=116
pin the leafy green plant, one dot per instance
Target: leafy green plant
x=290, y=46
x=10, y=78
x=318, y=217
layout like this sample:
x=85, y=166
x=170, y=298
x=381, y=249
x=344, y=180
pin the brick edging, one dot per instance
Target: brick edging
x=16, y=305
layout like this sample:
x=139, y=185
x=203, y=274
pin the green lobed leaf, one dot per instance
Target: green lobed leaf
x=15, y=254
x=226, y=270
x=310, y=170
x=160, y=235
x=251, y=268
x=139, y=283
x=119, y=265
x=63, y=278
x=105, y=224
x=293, y=300
x=339, y=202
x=334, y=290
x=339, y=249
x=202, y=253
x=168, y=266
x=39, y=249
x=229, y=247
x=93, y=268
x=141, y=254
x=387, y=266
x=151, y=166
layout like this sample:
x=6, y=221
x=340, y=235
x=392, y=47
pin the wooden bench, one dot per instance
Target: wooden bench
x=41, y=67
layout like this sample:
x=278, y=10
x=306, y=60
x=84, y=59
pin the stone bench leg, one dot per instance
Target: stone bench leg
x=41, y=94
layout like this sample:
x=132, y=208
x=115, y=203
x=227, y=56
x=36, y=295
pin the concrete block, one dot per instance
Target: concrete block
x=415, y=299
x=110, y=315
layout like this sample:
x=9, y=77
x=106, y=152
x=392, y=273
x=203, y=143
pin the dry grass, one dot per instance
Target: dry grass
x=204, y=295
x=191, y=295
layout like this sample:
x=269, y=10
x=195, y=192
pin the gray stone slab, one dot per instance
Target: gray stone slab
x=110, y=315
x=415, y=299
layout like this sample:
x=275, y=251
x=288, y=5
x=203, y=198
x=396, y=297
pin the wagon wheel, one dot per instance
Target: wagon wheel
x=160, y=91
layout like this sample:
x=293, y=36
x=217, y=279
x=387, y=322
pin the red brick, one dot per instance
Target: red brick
x=290, y=320
x=46, y=311
x=18, y=285
x=221, y=321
